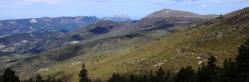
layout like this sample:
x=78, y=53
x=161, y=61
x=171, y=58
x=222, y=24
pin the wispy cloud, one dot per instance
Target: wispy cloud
x=204, y=6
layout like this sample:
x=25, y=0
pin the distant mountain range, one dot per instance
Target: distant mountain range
x=20, y=38
x=46, y=24
x=168, y=38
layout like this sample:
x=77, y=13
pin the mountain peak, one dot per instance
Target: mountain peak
x=166, y=13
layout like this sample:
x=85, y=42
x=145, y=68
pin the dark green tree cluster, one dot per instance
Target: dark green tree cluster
x=159, y=76
x=39, y=78
x=207, y=73
x=242, y=63
x=185, y=75
x=10, y=76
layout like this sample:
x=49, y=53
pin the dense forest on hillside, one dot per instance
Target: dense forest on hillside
x=232, y=71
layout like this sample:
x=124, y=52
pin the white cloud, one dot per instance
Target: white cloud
x=204, y=6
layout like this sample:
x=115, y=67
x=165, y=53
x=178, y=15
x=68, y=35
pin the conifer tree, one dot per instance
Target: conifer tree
x=133, y=78
x=160, y=75
x=208, y=73
x=117, y=78
x=242, y=63
x=151, y=77
x=9, y=76
x=84, y=75
x=38, y=78
x=228, y=73
x=144, y=78
x=185, y=75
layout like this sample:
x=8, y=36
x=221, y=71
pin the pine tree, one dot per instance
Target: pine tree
x=151, y=77
x=133, y=78
x=208, y=73
x=228, y=73
x=242, y=62
x=185, y=75
x=117, y=78
x=160, y=75
x=9, y=76
x=83, y=75
x=38, y=78
x=138, y=78
x=144, y=78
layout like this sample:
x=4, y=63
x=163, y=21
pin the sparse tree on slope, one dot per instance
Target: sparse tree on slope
x=117, y=78
x=84, y=75
x=38, y=78
x=185, y=75
x=242, y=62
x=161, y=76
x=208, y=73
x=228, y=73
x=9, y=76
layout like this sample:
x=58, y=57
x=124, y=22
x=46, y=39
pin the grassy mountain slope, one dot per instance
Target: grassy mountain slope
x=137, y=47
x=190, y=46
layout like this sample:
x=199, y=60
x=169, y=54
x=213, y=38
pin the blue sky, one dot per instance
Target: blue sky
x=12, y=9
